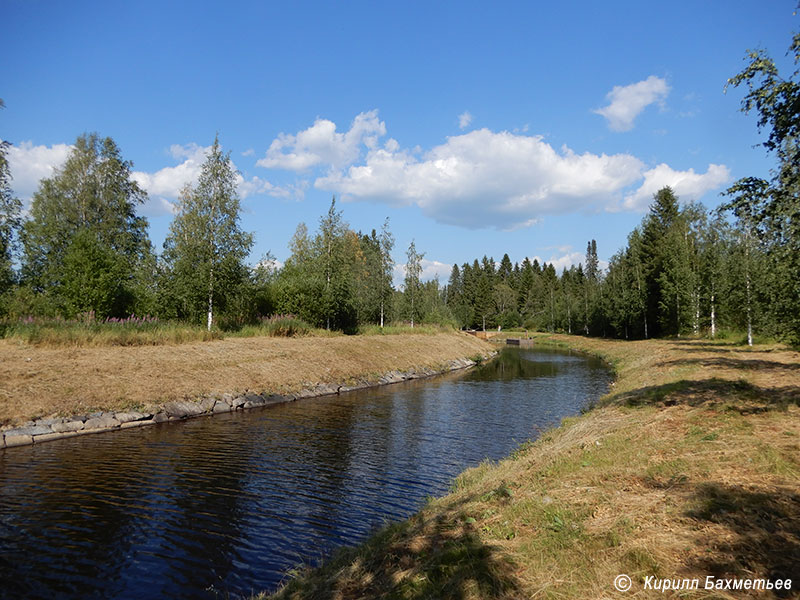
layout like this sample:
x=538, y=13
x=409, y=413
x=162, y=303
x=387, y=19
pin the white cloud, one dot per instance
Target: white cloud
x=564, y=261
x=464, y=119
x=486, y=179
x=270, y=264
x=568, y=259
x=628, y=101
x=30, y=164
x=479, y=179
x=169, y=181
x=430, y=269
x=687, y=185
x=321, y=144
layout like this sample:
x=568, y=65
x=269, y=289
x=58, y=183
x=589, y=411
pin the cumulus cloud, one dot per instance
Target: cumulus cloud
x=478, y=179
x=169, y=181
x=687, y=185
x=321, y=144
x=464, y=119
x=430, y=270
x=628, y=101
x=564, y=261
x=29, y=164
x=486, y=179
x=166, y=184
x=567, y=259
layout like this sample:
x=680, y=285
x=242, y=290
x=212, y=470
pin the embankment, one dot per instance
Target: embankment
x=688, y=469
x=48, y=393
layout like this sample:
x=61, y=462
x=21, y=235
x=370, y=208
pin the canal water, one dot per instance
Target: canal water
x=222, y=507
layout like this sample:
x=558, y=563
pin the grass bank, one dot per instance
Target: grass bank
x=87, y=331
x=52, y=380
x=688, y=468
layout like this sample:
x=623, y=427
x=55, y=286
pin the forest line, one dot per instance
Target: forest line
x=83, y=250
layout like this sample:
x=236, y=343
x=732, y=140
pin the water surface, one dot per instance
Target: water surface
x=223, y=506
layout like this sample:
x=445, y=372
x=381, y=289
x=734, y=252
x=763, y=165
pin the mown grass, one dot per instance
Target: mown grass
x=689, y=467
x=41, y=381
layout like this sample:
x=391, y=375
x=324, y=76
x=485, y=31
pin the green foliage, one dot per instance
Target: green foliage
x=411, y=289
x=92, y=277
x=86, y=330
x=10, y=222
x=770, y=210
x=205, y=249
x=278, y=326
x=84, y=245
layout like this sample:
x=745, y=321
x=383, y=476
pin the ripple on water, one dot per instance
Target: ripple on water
x=223, y=506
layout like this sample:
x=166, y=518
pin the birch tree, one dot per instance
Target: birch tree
x=85, y=210
x=206, y=247
x=10, y=209
x=775, y=208
x=386, y=240
x=412, y=283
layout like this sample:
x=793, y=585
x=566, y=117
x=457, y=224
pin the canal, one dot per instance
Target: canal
x=222, y=507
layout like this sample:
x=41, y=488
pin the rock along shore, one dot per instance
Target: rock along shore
x=46, y=430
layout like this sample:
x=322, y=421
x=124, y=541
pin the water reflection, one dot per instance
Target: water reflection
x=223, y=506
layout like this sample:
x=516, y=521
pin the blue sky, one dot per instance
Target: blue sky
x=477, y=128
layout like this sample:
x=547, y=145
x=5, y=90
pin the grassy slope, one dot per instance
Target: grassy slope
x=689, y=467
x=50, y=380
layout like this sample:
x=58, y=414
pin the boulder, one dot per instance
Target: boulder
x=127, y=417
x=141, y=423
x=30, y=430
x=104, y=421
x=207, y=404
x=181, y=409
x=17, y=440
x=68, y=426
x=220, y=406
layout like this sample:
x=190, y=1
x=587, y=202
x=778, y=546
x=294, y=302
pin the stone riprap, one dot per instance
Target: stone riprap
x=45, y=430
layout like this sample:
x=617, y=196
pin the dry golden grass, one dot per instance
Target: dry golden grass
x=43, y=381
x=690, y=467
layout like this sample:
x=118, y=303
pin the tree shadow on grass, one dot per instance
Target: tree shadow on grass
x=762, y=533
x=736, y=395
x=724, y=362
x=721, y=347
x=422, y=557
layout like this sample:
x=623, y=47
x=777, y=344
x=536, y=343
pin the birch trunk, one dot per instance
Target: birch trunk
x=210, y=298
x=713, y=316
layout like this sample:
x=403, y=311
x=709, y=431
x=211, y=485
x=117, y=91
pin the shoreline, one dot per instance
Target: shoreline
x=687, y=468
x=51, y=429
x=354, y=373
